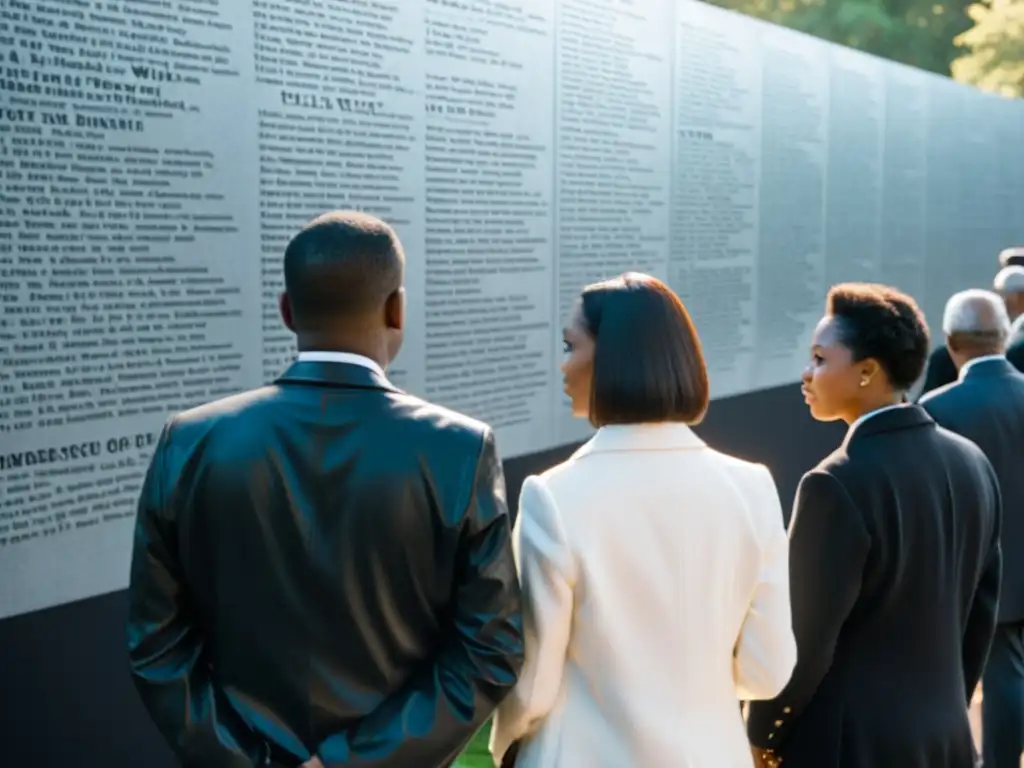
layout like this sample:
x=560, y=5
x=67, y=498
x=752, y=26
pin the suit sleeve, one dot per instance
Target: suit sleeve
x=165, y=646
x=983, y=614
x=439, y=710
x=828, y=548
x=547, y=574
x=765, y=652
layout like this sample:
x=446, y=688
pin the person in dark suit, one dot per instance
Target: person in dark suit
x=1009, y=284
x=986, y=405
x=942, y=370
x=894, y=560
x=323, y=571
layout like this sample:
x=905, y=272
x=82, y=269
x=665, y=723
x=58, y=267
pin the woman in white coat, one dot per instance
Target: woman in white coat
x=654, y=569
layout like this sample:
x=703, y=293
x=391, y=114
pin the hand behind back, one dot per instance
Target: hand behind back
x=765, y=759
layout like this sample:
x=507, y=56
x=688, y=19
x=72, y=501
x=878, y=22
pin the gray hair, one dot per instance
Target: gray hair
x=978, y=314
x=1009, y=280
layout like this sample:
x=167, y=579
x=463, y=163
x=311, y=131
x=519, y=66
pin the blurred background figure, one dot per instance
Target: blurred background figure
x=1012, y=257
x=654, y=569
x=894, y=560
x=986, y=405
x=1009, y=284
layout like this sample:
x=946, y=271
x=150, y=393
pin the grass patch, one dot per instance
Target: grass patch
x=476, y=754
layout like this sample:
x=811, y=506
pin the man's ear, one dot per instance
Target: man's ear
x=284, y=304
x=951, y=344
x=394, y=310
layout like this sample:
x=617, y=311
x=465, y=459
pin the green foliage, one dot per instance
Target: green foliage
x=995, y=48
x=920, y=33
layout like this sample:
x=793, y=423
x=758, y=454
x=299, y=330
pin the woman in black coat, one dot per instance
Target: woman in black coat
x=894, y=560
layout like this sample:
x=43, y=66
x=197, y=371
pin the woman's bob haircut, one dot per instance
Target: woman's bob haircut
x=648, y=362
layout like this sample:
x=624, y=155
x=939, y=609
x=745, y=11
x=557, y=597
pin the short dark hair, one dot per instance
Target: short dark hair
x=340, y=265
x=880, y=322
x=648, y=363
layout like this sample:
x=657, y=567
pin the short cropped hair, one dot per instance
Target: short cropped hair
x=879, y=322
x=1009, y=280
x=340, y=265
x=648, y=362
x=1012, y=257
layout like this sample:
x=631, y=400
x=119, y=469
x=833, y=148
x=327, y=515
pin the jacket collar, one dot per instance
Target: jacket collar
x=334, y=356
x=663, y=436
x=889, y=420
x=332, y=374
x=987, y=368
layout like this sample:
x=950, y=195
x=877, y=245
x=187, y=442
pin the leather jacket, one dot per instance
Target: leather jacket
x=323, y=567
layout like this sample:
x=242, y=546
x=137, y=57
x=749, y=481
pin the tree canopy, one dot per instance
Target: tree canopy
x=994, y=48
x=981, y=43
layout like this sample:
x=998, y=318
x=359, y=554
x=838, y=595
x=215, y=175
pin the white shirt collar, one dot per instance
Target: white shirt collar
x=982, y=359
x=342, y=357
x=865, y=416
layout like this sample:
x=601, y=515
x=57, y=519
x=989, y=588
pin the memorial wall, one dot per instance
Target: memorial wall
x=156, y=157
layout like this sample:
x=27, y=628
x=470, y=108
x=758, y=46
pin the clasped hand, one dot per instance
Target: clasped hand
x=763, y=759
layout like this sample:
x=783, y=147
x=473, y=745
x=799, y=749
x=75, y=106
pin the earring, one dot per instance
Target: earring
x=864, y=382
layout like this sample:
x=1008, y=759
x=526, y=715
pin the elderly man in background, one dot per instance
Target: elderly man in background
x=1009, y=284
x=986, y=405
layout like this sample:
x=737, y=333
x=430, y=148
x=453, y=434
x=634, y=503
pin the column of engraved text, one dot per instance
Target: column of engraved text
x=339, y=125
x=115, y=303
x=613, y=139
x=489, y=213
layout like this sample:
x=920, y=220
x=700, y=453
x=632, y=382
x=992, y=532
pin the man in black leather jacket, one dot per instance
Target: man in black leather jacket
x=323, y=570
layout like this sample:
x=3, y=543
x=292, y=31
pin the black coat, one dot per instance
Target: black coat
x=894, y=573
x=323, y=566
x=987, y=407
